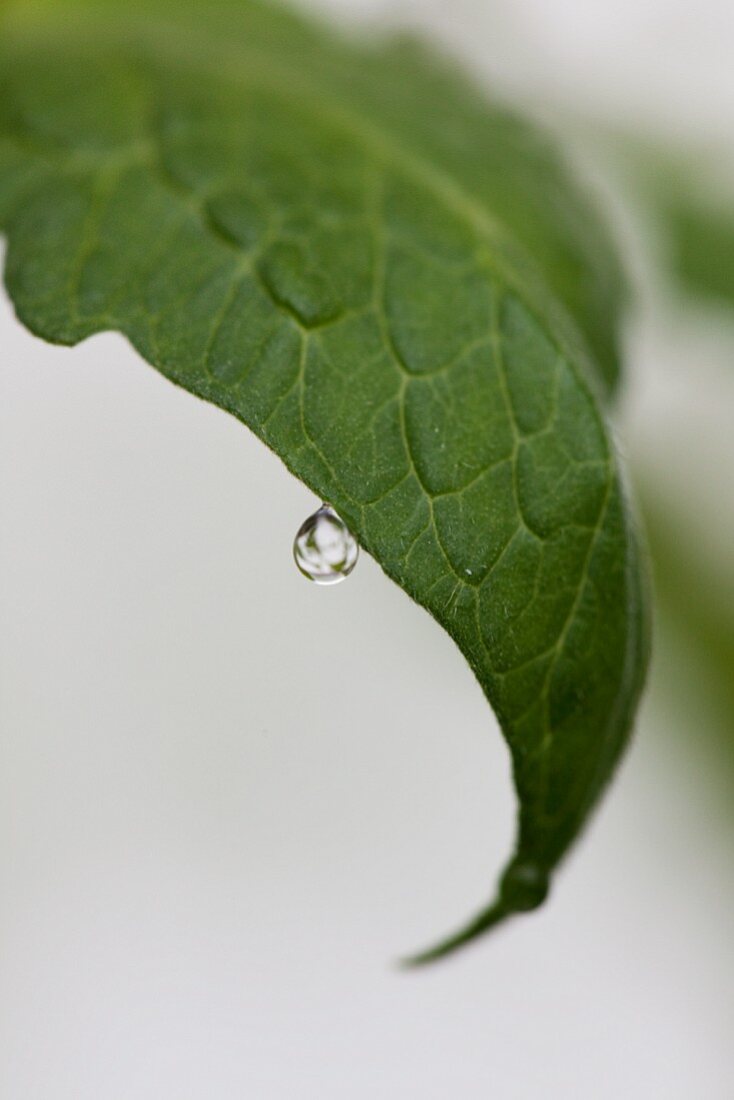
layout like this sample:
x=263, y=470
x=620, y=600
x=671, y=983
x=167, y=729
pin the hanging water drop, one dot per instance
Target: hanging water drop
x=324, y=548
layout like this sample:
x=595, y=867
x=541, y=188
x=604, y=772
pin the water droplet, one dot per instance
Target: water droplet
x=324, y=548
x=524, y=886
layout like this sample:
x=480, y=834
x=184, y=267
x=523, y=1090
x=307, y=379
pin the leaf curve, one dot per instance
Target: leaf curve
x=346, y=249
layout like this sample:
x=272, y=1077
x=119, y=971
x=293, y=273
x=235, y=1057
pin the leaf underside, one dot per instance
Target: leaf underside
x=398, y=288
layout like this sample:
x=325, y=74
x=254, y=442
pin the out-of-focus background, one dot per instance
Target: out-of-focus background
x=229, y=799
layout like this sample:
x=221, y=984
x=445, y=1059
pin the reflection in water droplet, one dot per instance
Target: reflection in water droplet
x=324, y=548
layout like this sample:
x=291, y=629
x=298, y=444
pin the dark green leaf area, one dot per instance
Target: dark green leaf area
x=283, y=249
x=686, y=196
x=701, y=245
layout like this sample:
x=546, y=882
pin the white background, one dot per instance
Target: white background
x=229, y=799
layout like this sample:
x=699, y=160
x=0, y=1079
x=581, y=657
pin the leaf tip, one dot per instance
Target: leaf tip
x=524, y=886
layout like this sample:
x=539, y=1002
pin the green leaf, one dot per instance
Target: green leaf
x=695, y=603
x=699, y=233
x=687, y=197
x=399, y=289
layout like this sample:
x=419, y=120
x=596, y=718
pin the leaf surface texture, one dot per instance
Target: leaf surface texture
x=399, y=289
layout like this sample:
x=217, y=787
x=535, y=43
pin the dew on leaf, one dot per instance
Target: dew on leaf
x=324, y=548
x=524, y=886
